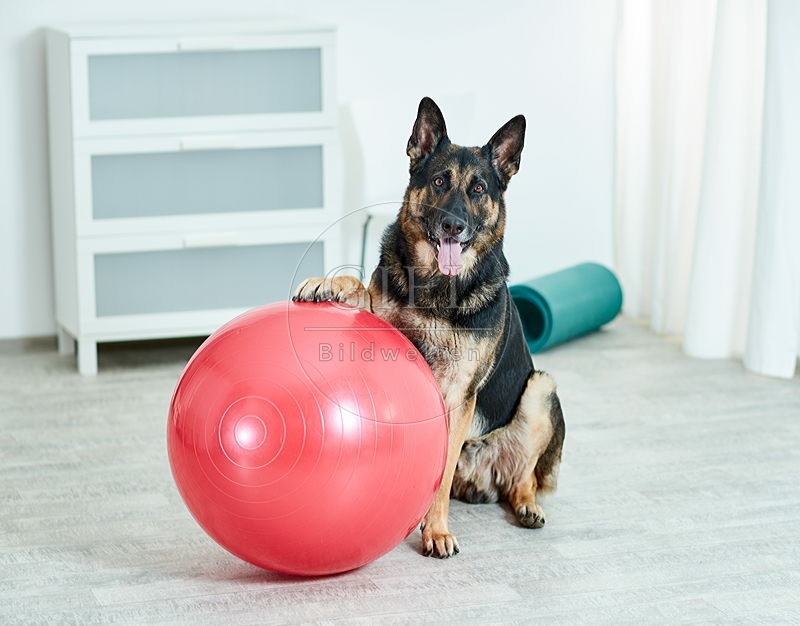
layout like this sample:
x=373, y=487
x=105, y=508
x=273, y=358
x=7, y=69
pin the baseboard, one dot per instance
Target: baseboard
x=26, y=345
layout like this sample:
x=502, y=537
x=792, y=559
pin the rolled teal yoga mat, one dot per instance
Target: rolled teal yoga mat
x=566, y=304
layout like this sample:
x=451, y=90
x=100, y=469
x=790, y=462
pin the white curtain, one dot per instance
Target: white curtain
x=708, y=175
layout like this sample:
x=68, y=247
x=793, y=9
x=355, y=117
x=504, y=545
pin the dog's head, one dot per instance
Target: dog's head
x=453, y=208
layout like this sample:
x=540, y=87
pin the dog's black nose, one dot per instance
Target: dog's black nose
x=453, y=226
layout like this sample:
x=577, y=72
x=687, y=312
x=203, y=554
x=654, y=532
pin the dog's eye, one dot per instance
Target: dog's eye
x=438, y=181
x=478, y=188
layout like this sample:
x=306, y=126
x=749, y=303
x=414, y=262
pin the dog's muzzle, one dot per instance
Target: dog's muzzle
x=450, y=237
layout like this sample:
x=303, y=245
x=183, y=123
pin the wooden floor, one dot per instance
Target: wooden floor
x=678, y=503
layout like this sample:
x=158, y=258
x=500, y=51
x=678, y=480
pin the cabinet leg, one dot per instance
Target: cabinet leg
x=66, y=344
x=87, y=357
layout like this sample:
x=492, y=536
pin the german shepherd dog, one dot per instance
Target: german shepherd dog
x=442, y=280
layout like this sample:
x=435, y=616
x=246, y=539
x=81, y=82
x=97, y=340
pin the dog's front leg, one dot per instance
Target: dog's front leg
x=436, y=537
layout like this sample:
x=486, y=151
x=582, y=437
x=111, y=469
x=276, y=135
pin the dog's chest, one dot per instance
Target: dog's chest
x=458, y=359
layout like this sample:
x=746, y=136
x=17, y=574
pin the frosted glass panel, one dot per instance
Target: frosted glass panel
x=185, y=84
x=206, y=181
x=168, y=281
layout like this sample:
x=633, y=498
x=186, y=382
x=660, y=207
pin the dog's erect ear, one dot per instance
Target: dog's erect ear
x=429, y=131
x=505, y=147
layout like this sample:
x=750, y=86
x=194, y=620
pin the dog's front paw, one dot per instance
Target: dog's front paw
x=530, y=515
x=344, y=289
x=440, y=544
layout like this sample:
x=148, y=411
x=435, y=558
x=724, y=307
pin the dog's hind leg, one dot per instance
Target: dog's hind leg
x=517, y=460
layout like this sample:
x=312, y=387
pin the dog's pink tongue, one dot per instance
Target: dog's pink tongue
x=449, y=257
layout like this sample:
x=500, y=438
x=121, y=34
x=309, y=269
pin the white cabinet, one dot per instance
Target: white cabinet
x=193, y=174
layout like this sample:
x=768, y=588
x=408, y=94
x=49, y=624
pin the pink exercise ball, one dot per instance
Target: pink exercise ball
x=307, y=438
